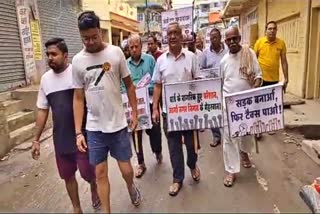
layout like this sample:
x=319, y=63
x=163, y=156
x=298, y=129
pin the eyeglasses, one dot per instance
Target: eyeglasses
x=86, y=16
x=234, y=39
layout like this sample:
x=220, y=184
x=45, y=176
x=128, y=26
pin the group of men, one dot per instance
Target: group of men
x=88, y=114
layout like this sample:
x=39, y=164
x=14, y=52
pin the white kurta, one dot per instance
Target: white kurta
x=234, y=82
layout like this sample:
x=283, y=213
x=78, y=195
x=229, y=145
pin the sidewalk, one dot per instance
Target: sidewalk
x=303, y=118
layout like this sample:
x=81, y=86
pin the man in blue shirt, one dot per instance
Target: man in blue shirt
x=139, y=65
x=211, y=58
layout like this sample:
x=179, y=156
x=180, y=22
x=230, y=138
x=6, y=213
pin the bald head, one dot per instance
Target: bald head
x=233, y=30
x=233, y=39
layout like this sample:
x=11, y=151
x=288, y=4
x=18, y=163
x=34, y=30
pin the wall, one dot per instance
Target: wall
x=291, y=16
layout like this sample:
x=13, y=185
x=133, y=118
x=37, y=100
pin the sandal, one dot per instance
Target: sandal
x=175, y=189
x=246, y=163
x=141, y=169
x=229, y=180
x=135, y=196
x=195, y=173
x=96, y=205
x=215, y=142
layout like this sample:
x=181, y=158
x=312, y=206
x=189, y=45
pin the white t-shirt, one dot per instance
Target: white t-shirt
x=170, y=69
x=102, y=89
x=230, y=71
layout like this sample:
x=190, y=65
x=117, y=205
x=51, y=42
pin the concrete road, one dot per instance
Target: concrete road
x=272, y=185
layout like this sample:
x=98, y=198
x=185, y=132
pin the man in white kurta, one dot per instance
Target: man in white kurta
x=235, y=80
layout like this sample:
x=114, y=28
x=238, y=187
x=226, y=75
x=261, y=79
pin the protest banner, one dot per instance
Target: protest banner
x=183, y=16
x=144, y=115
x=194, y=105
x=210, y=73
x=255, y=111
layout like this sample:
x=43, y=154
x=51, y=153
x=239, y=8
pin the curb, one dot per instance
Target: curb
x=310, y=131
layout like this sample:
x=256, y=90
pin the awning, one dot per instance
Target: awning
x=124, y=23
x=235, y=7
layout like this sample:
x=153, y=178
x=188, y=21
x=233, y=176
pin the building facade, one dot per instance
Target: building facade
x=298, y=25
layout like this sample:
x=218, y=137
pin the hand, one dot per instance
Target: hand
x=134, y=121
x=81, y=143
x=35, y=150
x=156, y=116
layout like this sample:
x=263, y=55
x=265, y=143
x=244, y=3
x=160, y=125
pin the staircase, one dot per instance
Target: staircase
x=20, y=120
x=17, y=118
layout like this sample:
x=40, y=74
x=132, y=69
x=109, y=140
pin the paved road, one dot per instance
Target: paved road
x=272, y=185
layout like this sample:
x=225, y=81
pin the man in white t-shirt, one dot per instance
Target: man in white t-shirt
x=97, y=73
x=235, y=80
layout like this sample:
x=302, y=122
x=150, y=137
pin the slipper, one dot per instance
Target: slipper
x=195, y=173
x=141, y=169
x=246, y=163
x=175, y=189
x=215, y=142
x=96, y=205
x=229, y=180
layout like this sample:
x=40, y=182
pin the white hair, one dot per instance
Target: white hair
x=134, y=37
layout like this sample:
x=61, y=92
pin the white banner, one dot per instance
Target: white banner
x=183, y=16
x=194, y=105
x=210, y=73
x=255, y=111
x=144, y=114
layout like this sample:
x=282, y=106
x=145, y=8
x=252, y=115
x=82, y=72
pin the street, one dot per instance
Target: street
x=272, y=185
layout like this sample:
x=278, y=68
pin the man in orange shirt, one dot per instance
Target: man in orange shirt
x=270, y=51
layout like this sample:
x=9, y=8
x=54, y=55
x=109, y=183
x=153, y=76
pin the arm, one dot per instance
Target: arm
x=131, y=91
x=157, y=79
x=195, y=68
x=78, y=109
x=284, y=65
x=257, y=81
x=41, y=120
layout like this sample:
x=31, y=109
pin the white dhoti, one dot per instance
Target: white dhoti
x=232, y=147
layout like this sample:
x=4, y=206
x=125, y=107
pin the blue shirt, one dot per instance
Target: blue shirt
x=140, y=69
x=211, y=59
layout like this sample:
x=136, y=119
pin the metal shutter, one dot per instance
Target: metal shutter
x=58, y=18
x=12, y=72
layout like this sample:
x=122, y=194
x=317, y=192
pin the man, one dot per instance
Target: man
x=125, y=48
x=97, y=73
x=237, y=75
x=153, y=47
x=270, y=51
x=139, y=65
x=211, y=58
x=199, y=43
x=176, y=65
x=193, y=49
x=56, y=92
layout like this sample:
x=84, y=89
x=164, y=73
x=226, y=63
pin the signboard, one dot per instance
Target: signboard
x=144, y=114
x=210, y=73
x=194, y=105
x=183, y=16
x=36, y=41
x=255, y=111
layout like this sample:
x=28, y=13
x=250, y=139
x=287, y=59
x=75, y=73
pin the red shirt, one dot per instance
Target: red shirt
x=156, y=54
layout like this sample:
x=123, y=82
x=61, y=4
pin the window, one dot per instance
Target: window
x=205, y=8
x=216, y=4
x=140, y=17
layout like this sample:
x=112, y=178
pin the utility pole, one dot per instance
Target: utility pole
x=147, y=17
